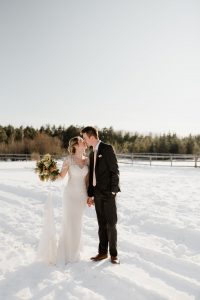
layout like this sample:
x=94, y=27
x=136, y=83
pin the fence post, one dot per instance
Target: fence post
x=171, y=158
x=195, y=161
x=150, y=158
x=132, y=156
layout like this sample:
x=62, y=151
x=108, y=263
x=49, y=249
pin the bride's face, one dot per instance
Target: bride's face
x=81, y=144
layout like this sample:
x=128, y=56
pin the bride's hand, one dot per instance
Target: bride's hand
x=90, y=201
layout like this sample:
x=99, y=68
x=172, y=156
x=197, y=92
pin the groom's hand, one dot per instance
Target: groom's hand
x=90, y=201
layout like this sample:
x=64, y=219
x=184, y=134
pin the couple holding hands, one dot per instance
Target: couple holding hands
x=93, y=180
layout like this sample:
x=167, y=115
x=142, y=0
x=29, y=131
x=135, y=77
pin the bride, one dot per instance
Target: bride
x=74, y=202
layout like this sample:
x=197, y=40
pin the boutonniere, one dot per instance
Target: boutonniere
x=99, y=156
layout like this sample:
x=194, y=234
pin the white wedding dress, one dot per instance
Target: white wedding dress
x=74, y=202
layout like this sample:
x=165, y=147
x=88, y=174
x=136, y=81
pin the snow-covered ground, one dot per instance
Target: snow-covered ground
x=158, y=238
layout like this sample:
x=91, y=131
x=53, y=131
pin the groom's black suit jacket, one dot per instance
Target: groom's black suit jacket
x=106, y=170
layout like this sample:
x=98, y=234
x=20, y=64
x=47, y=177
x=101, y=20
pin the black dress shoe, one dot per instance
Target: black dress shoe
x=114, y=260
x=99, y=257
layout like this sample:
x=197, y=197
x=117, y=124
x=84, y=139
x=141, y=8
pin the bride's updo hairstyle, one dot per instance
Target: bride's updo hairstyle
x=72, y=143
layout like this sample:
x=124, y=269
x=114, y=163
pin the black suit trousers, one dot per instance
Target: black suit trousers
x=105, y=205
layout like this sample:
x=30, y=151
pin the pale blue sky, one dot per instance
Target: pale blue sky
x=133, y=65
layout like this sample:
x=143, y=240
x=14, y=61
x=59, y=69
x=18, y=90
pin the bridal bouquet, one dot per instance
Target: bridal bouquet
x=47, y=168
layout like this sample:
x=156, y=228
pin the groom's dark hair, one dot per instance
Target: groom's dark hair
x=90, y=131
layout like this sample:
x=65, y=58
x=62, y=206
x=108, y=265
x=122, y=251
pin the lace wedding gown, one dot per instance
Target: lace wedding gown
x=74, y=202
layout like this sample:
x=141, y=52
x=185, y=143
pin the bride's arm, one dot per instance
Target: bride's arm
x=87, y=180
x=90, y=200
x=87, y=176
x=64, y=170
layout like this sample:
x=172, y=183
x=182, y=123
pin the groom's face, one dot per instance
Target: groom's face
x=88, y=140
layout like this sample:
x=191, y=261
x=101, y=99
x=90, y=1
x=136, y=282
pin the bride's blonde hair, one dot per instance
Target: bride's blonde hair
x=72, y=143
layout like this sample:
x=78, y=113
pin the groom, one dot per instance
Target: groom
x=102, y=191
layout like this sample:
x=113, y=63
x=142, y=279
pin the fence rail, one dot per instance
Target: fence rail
x=13, y=157
x=151, y=159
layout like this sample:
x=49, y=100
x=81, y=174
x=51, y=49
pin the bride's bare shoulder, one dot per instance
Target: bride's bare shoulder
x=67, y=160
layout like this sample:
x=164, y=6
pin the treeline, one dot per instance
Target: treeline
x=54, y=140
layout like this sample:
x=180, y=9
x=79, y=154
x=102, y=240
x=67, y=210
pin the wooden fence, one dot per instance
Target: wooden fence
x=181, y=160
x=159, y=159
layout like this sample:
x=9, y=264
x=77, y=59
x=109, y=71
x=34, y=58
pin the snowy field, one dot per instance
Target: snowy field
x=158, y=238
